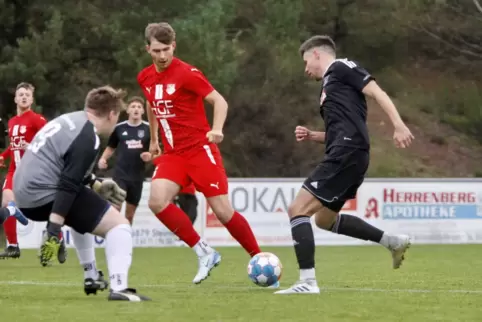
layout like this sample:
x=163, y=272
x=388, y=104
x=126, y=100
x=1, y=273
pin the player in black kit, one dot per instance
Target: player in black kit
x=337, y=177
x=131, y=141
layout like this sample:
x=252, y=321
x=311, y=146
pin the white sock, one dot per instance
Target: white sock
x=84, y=245
x=385, y=241
x=118, y=251
x=307, y=274
x=11, y=210
x=202, y=248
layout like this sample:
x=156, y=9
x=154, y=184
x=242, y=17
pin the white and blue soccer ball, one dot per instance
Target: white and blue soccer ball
x=265, y=269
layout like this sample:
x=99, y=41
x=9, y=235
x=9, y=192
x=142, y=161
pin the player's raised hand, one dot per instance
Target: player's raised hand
x=302, y=133
x=2, y=162
x=215, y=136
x=146, y=156
x=154, y=148
x=102, y=164
x=402, y=136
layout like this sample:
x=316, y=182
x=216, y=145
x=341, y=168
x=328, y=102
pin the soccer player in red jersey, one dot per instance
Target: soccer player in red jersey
x=175, y=92
x=21, y=130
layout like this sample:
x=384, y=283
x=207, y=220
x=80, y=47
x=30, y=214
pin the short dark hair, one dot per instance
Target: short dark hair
x=26, y=86
x=318, y=41
x=160, y=31
x=135, y=99
x=103, y=100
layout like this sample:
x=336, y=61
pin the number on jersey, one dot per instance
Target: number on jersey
x=41, y=138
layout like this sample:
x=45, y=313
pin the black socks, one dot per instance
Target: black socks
x=304, y=241
x=356, y=227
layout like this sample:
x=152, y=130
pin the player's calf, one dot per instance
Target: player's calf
x=235, y=223
x=356, y=227
x=130, y=212
x=180, y=224
x=118, y=248
x=299, y=212
x=93, y=279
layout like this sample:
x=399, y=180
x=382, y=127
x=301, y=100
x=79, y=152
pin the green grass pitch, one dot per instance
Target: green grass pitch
x=435, y=283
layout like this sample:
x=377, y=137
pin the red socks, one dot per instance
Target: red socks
x=179, y=223
x=10, y=227
x=239, y=228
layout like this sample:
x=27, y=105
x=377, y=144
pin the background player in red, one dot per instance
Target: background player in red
x=21, y=130
x=175, y=91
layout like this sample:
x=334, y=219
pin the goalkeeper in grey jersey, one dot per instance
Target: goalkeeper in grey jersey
x=51, y=184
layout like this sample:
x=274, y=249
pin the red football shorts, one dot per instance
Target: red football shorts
x=189, y=189
x=8, y=183
x=204, y=169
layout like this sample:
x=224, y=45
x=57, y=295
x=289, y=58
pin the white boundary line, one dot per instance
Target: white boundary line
x=232, y=287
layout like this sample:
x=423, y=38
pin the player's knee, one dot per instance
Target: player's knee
x=120, y=222
x=121, y=227
x=222, y=208
x=304, y=204
x=157, y=204
x=294, y=209
x=224, y=214
x=110, y=219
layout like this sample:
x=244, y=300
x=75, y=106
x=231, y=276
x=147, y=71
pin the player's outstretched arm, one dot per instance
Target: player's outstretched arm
x=304, y=134
x=220, y=112
x=402, y=136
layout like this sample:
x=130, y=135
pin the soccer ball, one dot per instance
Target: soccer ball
x=265, y=269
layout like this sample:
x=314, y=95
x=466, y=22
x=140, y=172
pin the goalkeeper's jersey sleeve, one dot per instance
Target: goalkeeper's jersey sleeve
x=55, y=164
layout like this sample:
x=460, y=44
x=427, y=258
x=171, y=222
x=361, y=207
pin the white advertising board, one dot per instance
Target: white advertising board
x=147, y=229
x=264, y=205
x=429, y=210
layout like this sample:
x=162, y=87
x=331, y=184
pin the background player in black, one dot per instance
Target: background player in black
x=131, y=141
x=337, y=178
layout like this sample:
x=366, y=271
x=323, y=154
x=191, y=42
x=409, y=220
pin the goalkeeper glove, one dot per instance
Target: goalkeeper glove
x=110, y=191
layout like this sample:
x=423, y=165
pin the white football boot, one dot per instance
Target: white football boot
x=308, y=286
x=206, y=264
x=398, y=246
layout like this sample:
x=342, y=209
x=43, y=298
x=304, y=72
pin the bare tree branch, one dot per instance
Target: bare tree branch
x=477, y=4
x=442, y=40
x=449, y=44
x=459, y=11
x=466, y=43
